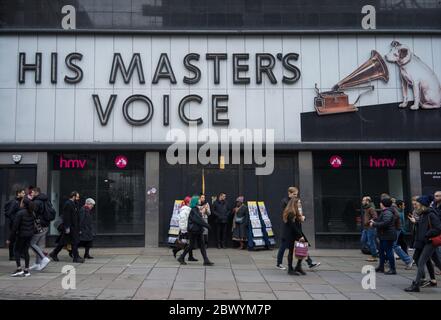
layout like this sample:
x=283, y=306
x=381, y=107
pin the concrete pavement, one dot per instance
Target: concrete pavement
x=138, y=273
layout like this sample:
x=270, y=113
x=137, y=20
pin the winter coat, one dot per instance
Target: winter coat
x=23, y=225
x=86, y=229
x=385, y=225
x=292, y=230
x=369, y=214
x=196, y=223
x=221, y=211
x=426, y=230
x=71, y=219
x=39, y=202
x=184, y=212
x=14, y=207
x=205, y=210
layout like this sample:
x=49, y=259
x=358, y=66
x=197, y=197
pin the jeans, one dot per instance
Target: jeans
x=22, y=249
x=371, y=240
x=37, y=241
x=386, y=252
x=424, y=256
x=400, y=252
x=199, y=239
x=283, y=246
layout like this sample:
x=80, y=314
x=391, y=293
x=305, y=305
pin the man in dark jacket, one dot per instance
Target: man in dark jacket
x=11, y=208
x=221, y=212
x=196, y=225
x=70, y=229
x=428, y=226
x=39, y=239
x=86, y=230
x=387, y=234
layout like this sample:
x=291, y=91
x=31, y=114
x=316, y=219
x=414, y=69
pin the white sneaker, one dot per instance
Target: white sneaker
x=281, y=267
x=26, y=274
x=18, y=273
x=35, y=266
x=43, y=263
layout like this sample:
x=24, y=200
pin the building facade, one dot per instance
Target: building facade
x=90, y=108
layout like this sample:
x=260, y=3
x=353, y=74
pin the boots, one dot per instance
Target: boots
x=292, y=272
x=299, y=268
x=413, y=288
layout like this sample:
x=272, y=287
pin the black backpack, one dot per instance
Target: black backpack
x=49, y=212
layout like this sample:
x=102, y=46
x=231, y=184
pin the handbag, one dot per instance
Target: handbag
x=300, y=249
x=436, y=241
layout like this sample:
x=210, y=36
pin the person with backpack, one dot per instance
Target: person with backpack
x=195, y=228
x=428, y=226
x=22, y=231
x=10, y=209
x=44, y=214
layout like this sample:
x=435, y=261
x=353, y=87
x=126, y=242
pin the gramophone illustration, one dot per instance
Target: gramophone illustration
x=336, y=101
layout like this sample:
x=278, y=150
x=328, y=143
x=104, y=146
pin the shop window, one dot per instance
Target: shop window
x=430, y=172
x=115, y=181
x=341, y=179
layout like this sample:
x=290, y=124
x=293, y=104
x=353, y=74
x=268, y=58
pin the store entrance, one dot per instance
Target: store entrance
x=11, y=179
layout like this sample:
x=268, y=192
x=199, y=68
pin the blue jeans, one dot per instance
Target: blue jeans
x=368, y=238
x=400, y=252
x=387, y=253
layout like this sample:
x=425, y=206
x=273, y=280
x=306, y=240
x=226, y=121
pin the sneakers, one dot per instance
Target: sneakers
x=43, y=263
x=428, y=283
x=280, y=267
x=410, y=265
x=208, y=263
x=18, y=273
x=26, y=273
x=314, y=265
x=35, y=266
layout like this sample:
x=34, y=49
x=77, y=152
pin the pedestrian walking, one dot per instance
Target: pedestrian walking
x=427, y=226
x=369, y=234
x=292, y=232
x=399, y=223
x=221, y=212
x=10, y=210
x=241, y=219
x=293, y=192
x=22, y=231
x=385, y=225
x=204, y=208
x=195, y=229
x=70, y=229
x=86, y=227
x=44, y=214
x=184, y=239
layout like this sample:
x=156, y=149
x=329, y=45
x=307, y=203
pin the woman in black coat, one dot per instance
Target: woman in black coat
x=427, y=226
x=387, y=234
x=292, y=232
x=22, y=231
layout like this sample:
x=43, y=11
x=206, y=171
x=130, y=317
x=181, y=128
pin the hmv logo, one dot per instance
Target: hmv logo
x=72, y=164
x=382, y=162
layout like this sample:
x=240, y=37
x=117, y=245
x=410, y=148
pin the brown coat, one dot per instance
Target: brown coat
x=369, y=214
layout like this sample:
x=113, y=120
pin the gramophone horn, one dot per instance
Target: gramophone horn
x=373, y=69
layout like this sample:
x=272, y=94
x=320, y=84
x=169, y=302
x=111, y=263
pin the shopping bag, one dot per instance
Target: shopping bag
x=301, y=249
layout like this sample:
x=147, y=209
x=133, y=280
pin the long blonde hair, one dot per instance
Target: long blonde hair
x=292, y=210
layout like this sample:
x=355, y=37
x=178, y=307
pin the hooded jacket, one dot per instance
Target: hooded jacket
x=23, y=225
x=40, y=207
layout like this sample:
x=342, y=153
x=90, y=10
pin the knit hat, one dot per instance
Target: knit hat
x=425, y=200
